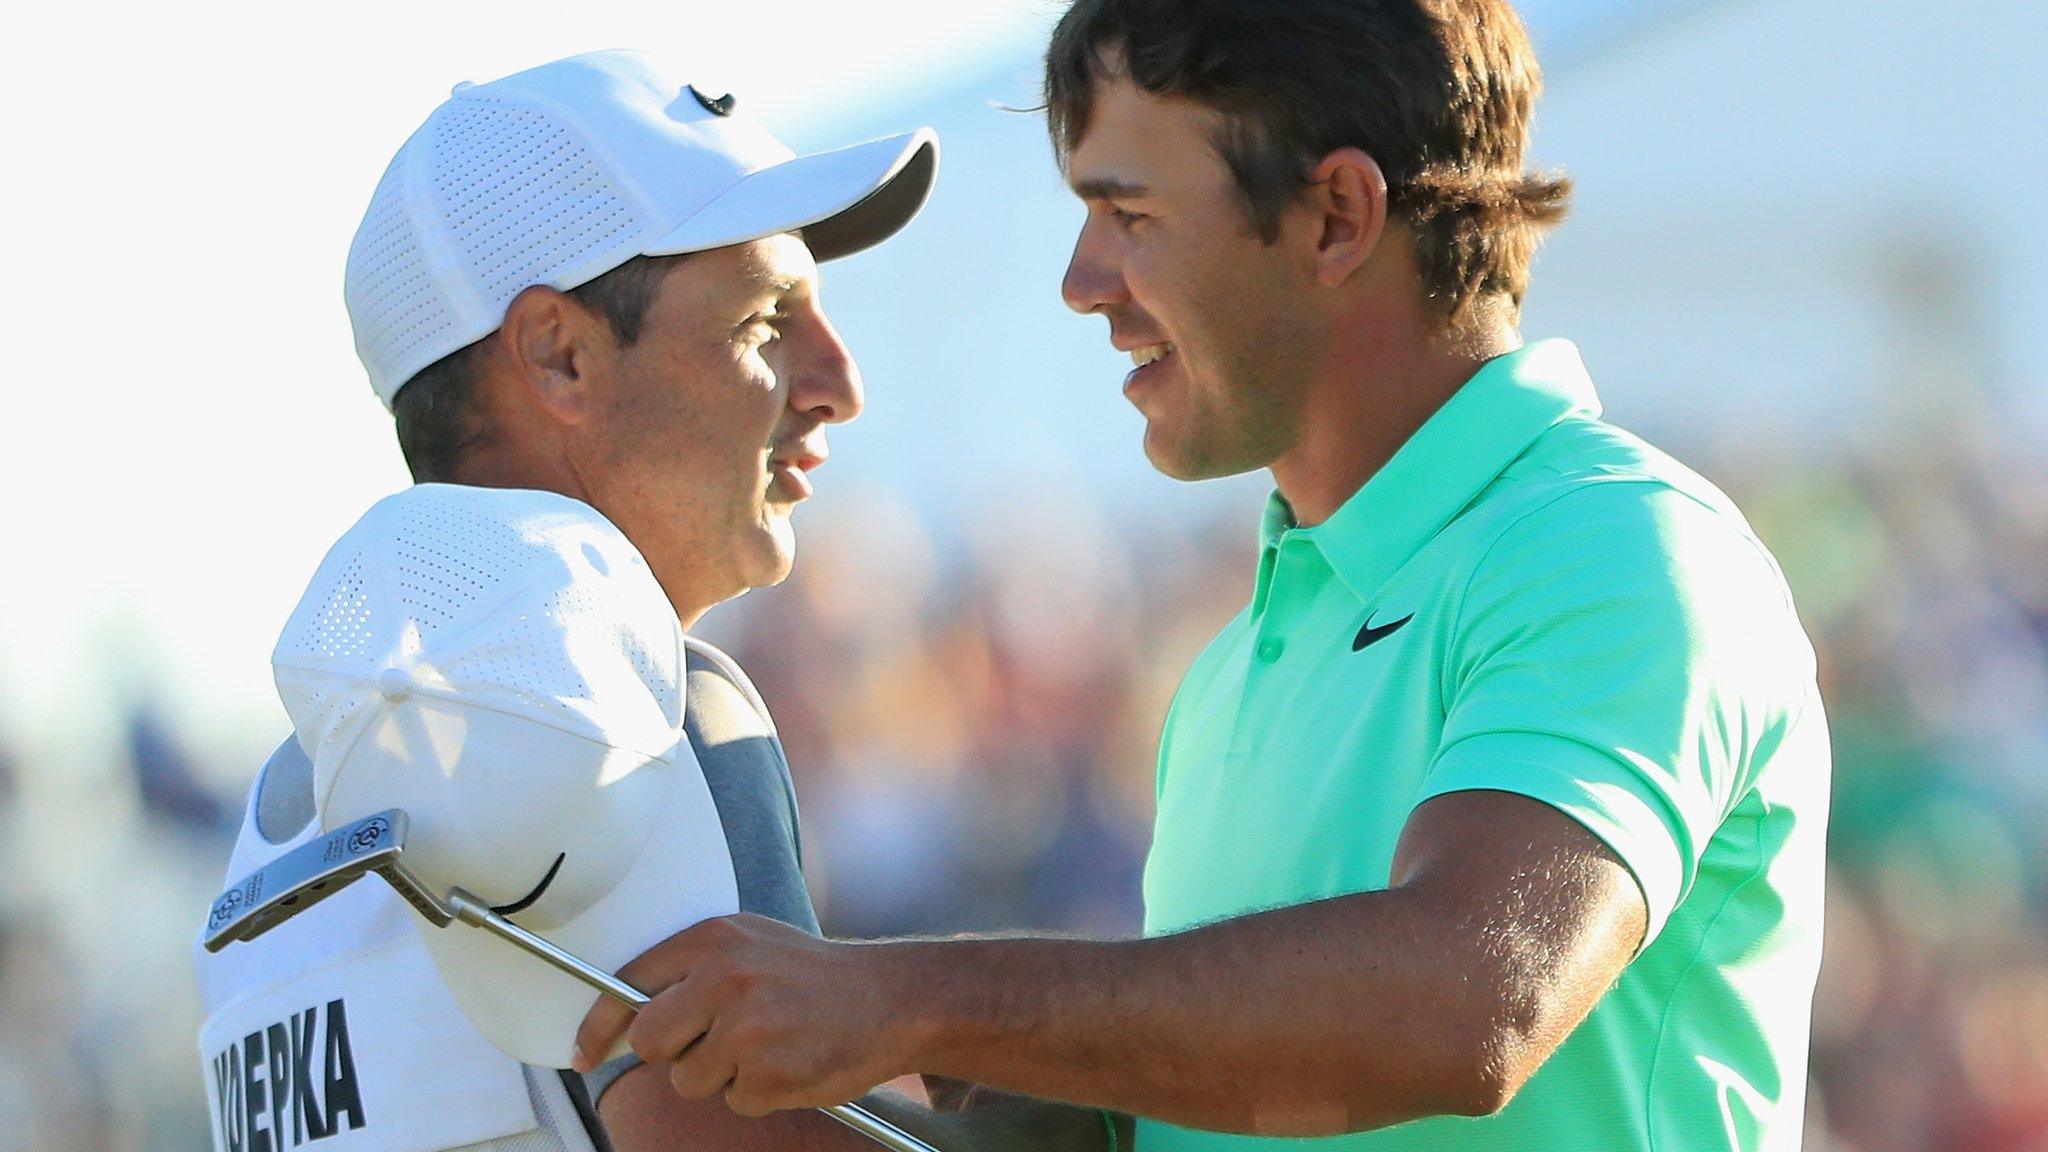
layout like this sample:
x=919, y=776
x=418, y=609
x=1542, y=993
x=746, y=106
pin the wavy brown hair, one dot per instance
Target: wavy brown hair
x=1438, y=92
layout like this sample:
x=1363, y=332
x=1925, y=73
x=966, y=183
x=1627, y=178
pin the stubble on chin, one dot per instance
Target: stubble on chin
x=1205, y=451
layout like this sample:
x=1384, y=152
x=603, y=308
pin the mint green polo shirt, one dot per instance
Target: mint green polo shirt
x=1530, y=600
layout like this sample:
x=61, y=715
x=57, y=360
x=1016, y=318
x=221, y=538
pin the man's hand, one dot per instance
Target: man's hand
x=764, y=1013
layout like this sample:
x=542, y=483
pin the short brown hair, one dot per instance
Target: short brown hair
x=1438, y=92
x=436, y=409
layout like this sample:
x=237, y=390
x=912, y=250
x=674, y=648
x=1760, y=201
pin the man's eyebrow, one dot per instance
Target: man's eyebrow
x=1109, y=188
x=773, y=284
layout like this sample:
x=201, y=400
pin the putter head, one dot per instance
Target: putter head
x=314, y=871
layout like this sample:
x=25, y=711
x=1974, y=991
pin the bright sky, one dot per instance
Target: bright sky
x=187, y=423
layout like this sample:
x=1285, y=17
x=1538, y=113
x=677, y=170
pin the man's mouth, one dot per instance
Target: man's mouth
x=792, y=475
x=1150, y=353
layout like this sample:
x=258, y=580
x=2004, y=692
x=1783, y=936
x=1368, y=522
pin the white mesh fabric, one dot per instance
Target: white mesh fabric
x=525, y=601
x=522, y=196
x=401, y=322
x=576, y=646
x=340, y=625
x=449, y=549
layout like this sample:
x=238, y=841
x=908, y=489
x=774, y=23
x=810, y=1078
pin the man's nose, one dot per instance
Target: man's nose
x=1093, y=280
x=827, y=384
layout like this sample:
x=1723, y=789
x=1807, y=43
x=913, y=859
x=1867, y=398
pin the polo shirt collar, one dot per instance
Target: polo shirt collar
x=1480, y=430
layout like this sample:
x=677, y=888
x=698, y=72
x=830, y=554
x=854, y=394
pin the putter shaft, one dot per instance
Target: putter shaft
x=474, y=912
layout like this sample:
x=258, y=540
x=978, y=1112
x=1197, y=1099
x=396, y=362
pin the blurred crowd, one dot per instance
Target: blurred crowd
x=971, y=711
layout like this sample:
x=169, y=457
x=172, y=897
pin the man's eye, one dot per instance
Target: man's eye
x=1125, y=218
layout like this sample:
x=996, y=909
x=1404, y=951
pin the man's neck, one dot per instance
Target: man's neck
x=504, y=470
x=1370, y=400
x=688, y=611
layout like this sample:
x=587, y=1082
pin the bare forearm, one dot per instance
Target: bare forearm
x=1316, y=1019
x=1507, y=921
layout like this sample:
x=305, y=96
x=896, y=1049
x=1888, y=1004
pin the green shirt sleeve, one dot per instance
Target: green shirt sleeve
x=1616, y=654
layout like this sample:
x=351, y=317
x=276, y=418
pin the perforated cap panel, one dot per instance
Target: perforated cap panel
x=487, y=199
x=539, y=649
x=401, y=320
x=426, y=556
x=524, y=601
x=524, y=199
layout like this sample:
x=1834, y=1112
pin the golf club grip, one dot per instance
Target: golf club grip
x=472, y=911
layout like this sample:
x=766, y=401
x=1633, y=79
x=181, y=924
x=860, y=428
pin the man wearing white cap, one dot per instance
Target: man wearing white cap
x=589, y=296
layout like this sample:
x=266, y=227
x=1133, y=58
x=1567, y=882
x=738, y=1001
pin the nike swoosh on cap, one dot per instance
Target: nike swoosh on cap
x=526, y=901
x=1371, y=635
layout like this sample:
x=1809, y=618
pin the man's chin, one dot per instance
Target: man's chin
x=774, y=552
x=1178, y=459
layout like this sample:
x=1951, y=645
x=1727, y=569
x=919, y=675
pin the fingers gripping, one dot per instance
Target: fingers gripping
x=653, y=972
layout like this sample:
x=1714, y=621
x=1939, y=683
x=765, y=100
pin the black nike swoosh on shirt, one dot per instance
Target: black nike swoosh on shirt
x=1371, y=635
x=526, y=901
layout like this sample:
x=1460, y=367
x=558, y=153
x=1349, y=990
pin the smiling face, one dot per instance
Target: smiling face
x=702, y=431
x=1221, y=327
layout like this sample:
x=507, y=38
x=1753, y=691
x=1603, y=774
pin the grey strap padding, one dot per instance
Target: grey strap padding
x=699, y=656
x=734, y=738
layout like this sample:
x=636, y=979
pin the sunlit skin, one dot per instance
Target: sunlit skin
x=697, y=439
x=1504, y=920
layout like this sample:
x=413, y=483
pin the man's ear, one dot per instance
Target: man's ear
x=1348, y=192
x=553, y=345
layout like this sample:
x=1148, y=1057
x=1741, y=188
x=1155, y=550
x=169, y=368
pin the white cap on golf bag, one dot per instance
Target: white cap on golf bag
x=503, y=665
x=561, y=173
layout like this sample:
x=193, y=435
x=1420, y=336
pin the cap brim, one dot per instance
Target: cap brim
x=531, y=1011
x=844, y=200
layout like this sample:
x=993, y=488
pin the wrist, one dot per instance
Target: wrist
x=913, y=1022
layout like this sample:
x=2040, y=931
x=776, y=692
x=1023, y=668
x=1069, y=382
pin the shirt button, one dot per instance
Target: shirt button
x=1270, y=649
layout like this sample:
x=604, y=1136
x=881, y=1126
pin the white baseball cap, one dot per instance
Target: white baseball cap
x=503, y=665
x=561, y=173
